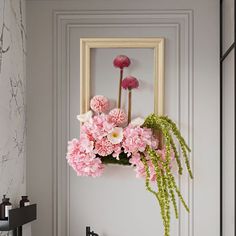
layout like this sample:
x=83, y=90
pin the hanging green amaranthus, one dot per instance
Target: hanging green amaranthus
x=166, y=184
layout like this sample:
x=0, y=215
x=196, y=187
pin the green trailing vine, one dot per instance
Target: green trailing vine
x=166, y=185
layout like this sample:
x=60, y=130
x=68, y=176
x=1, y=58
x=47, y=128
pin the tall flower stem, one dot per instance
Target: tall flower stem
x=129, y=105
x=119, y=97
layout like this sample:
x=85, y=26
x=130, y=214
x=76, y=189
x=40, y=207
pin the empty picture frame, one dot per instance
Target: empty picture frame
x=87, y=44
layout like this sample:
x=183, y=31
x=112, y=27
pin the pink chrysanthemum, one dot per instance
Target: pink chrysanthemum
x=121, y=61
x=130, y=82
x=99, y=103
x=118, y=116
x=103, y=147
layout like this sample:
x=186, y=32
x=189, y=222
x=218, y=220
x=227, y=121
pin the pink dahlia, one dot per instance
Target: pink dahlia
x=121, y=61
x=99, y=104
x=130, y=82
x=103, y=147
x=117, y=116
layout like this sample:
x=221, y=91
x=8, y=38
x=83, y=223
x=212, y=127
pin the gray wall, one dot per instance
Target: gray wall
x=12, y=99
x=228, y=120
x=192, y=52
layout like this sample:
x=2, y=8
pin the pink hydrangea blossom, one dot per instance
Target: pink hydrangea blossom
x=99, y=104
x=89, y=167
x=136, y=139
x=98, y=127
x=82, y=159
x=140, y=170
x=117, y=116
x=116, y=151
x=130, y=82
x=121, y=61
x=162, y=153
x=152, y=171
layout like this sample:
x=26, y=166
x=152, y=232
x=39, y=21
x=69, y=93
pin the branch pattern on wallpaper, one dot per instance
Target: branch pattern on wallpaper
x=12, y=99
x=148, y=145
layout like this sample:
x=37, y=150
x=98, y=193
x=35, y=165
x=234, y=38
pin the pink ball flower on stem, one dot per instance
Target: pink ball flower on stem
x=121, y=61
x=99, y=104
x=130, y=82
x=117, y=116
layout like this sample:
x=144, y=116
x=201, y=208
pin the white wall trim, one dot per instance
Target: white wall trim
x=63, y=22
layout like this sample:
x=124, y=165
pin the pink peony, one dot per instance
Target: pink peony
x=130, y=82
x=99, y=103
x=121, y=61
x=103, y=147
x=117, y=116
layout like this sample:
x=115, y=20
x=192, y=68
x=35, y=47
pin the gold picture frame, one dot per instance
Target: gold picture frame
x=86, y=44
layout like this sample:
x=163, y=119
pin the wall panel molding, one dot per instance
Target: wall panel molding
x=181, y=21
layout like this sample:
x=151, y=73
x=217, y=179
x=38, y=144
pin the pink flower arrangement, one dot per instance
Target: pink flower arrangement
x=112, y=137
x=102, y=136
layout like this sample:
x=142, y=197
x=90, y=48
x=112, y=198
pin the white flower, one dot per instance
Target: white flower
x=85, y=117
x=116, y=135
x=137, y=121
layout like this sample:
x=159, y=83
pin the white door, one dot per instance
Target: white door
x=117, y=203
